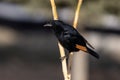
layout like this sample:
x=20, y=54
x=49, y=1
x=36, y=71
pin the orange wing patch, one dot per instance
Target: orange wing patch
x=81, y=47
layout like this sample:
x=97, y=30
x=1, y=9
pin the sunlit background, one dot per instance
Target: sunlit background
x=28, y=51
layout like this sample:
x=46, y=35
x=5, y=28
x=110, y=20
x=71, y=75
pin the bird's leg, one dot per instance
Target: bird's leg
x=64, y=57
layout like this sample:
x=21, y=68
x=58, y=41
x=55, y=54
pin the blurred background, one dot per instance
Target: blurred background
x=28, y=51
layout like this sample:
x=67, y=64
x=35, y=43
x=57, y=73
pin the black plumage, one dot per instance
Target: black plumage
x=70, y=38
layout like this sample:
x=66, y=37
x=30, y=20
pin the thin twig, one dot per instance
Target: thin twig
x=75, y=26
x=54, y=10
x=69, y=64
x=67, y=74
x=64, y=63
x=77, y=13
x=62, y=52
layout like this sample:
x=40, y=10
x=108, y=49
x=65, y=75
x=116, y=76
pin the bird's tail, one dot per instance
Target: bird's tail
x=88, y=50
x=93, y=53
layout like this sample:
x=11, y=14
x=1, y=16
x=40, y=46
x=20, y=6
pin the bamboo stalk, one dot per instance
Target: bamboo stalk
x=54, y=10
x=67, y=74
x=77, y=13
x=75, y=22
x=64, y=63
x=79, y=62
x=62, y=52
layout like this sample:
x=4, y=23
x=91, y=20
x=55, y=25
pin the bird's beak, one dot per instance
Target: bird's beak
x=47, y=25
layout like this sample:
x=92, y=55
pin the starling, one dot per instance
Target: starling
x=70, y=38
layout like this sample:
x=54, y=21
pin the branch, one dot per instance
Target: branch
x=54, y=10
x=75, y=26
x=62, y=52
x=77, y=13
x=67, y=74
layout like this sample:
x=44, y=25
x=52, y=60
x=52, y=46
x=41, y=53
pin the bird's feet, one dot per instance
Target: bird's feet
x=62, y=58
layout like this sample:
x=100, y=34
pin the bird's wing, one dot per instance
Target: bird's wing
x=79, y=41
x=73, y=38
x=89, y=43
x=81, y=37
x=80, y=47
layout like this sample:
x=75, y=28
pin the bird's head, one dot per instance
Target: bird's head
x=54, y=23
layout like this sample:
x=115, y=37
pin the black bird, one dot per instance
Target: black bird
x=70, y=38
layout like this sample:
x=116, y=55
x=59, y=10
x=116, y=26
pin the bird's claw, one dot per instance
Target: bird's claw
x=62, y=58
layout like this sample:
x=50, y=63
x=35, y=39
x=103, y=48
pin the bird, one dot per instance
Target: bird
x=70, y=38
